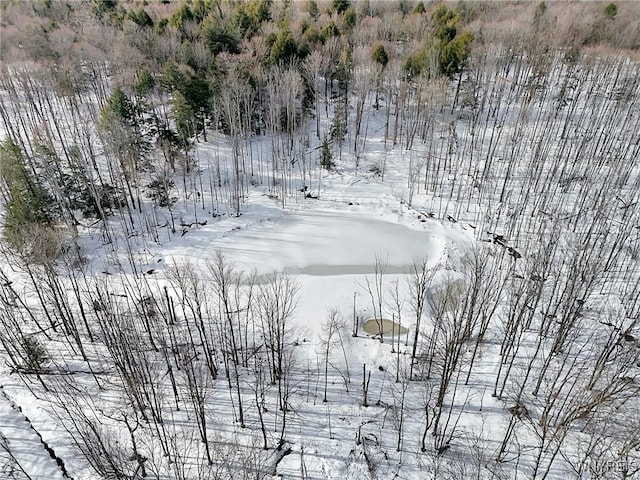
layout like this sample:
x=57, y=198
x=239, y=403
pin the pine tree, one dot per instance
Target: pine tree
x=28, y=203
x=379, y=55
x=118, y=104
x=184, y=117
x=341, y=6
x=283, y=48
x=339, y=125
x=326, y=159
x=122, y=133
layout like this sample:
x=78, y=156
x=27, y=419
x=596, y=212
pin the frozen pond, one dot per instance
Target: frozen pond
x=328, y=243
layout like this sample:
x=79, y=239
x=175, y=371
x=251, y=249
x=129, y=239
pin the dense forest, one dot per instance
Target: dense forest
x=149, y=147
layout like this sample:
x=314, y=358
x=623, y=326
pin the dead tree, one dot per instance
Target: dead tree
x=276, y=302
x=419, y=284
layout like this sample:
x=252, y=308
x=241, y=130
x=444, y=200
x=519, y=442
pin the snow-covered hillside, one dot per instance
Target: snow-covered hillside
x=220, y=335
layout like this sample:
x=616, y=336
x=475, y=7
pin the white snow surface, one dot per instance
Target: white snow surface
x=28, y=455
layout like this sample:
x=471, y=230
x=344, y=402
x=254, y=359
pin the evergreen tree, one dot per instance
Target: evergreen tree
x=454, y=48
x=340, y=6
x=249, y=16
x=349, y=19
x=344, y=70
x=379, y=55
x=610, y=11
x=194, y=100
x=283, y=48
x=339, y=125
x=180, y=17
x=330, y=30
x=28, y=203
x=140, y=17
x=454, y=54
x=218, y=39
x=145, y=82
x=326, y=159
x=312, y=8
x=118, y=104
x=183, y=115
x=121, y=133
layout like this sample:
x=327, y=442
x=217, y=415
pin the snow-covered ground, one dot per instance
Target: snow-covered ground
x=22, y=451
x=329, y=247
